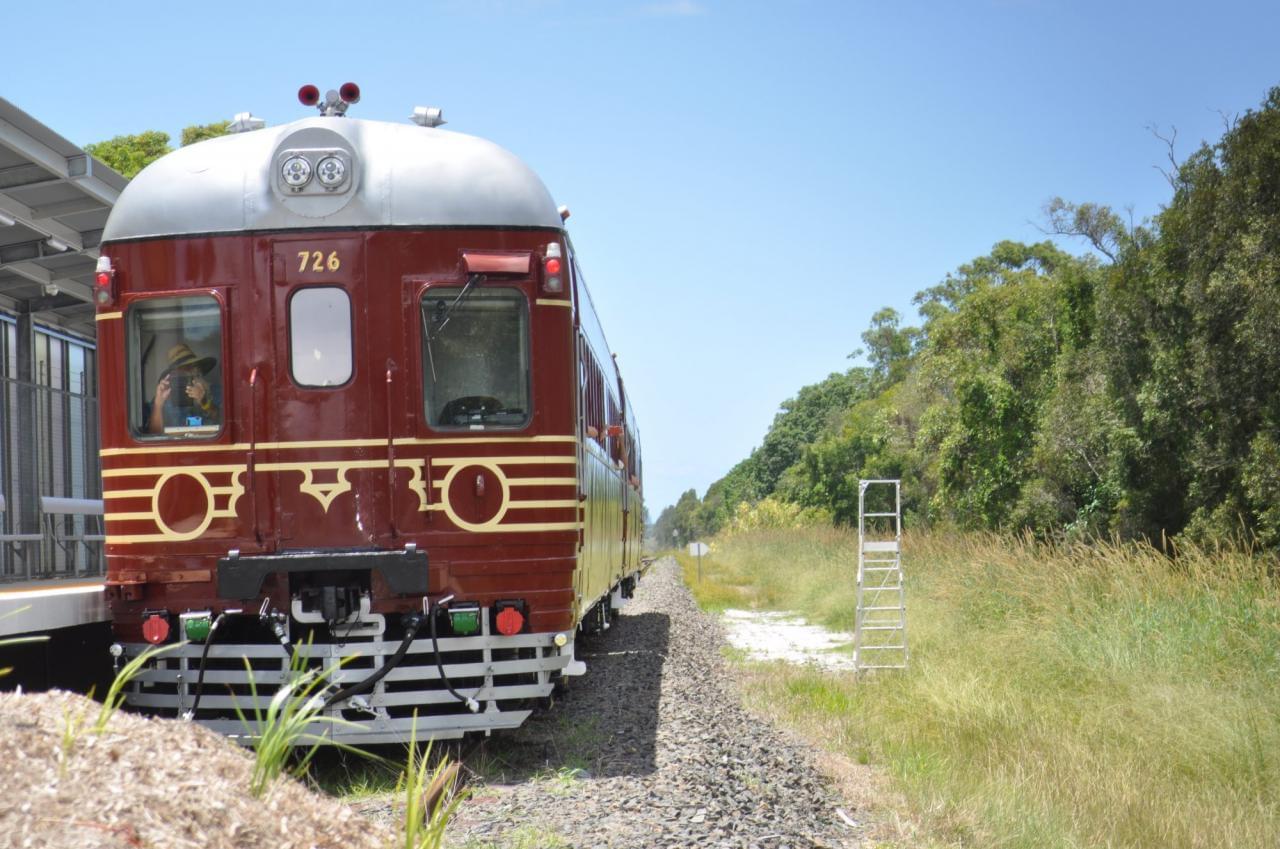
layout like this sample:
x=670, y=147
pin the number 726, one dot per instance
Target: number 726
x=319, y=262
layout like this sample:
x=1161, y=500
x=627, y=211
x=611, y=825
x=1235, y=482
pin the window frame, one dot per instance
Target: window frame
x=133, y=379
x=351, y=321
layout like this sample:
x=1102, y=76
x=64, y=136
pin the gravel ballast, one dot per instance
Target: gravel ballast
x=652, y=748
x=147, y=783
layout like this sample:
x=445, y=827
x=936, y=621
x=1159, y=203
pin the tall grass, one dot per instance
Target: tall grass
x=293, y=719
x=1058, y=695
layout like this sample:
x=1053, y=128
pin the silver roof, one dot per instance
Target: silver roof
x=57, y=197
x=404, y=175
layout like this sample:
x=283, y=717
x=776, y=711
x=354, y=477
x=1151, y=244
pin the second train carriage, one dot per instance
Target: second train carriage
x=356, y=404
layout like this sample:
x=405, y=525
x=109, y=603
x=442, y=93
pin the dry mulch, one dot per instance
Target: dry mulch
x=150, y=783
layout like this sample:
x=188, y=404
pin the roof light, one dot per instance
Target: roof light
x=245, y=122
x=6, y=221
x=308, y=95
x=57, y=244
x=428, y=116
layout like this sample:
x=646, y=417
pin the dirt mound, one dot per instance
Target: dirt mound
x=149, y=783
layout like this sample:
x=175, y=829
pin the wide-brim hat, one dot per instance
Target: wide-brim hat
x=181, y=356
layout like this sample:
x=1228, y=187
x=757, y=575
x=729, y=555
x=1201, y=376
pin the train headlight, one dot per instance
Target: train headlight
x=296, y=172
x=560, y=640
x=332, y=172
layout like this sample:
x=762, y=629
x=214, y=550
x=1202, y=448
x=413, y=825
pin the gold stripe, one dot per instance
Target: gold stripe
x=500, y=529
x=160, y=470
x=323, y=443
x=172, y=449
x=532, y=526
x=128, y=493
x=308, y=466
x=539, y=504
x=462, y=440
x=107, y=316
x=553, y=302
x=129, y=517
x=327, y=443
x=505, y=461
x=541, y=481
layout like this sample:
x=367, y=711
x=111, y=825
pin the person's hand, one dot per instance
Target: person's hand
x=197, y=390
x=163, y=391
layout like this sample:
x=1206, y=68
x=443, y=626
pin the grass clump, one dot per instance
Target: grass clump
x=431, y=796
x=288, y=723
x=115, y=693
x=1058, y=695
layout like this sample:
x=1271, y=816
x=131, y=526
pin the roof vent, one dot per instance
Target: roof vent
x=428, y=116
x=245, y=122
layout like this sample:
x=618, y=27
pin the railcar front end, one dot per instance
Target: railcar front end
x=358, y=423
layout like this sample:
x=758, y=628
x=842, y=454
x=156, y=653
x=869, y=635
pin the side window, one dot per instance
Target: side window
x=174, y=376
x=320, y=336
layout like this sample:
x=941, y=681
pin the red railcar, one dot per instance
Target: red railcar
x=356, y=405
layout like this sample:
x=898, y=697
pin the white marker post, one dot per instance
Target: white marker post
x=697, y=549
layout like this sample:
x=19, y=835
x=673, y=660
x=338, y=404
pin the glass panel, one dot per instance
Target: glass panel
x=175, y=379
x=476, y=357
x=320, y=336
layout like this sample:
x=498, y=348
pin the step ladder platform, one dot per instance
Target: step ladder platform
x=880, y=545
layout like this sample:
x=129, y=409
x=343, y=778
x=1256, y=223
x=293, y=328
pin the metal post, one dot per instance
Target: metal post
x=25, y=509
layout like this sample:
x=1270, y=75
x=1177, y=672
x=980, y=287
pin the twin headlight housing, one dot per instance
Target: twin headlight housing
x=314, y=171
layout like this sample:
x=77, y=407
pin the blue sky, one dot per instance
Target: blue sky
x=749, y=181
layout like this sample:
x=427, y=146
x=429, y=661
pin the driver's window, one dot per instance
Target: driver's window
x=475, y=357
x=174, y=346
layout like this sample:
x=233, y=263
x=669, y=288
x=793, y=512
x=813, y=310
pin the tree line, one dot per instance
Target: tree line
x=1129, y=391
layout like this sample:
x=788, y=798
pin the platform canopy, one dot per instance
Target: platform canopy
x=54, y=200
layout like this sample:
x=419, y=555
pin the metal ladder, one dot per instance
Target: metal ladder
x=880, y=624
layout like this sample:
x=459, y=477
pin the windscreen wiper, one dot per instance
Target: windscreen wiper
x=472, y=282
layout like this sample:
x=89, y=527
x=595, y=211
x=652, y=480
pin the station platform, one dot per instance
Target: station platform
x=71, y=615
x=36, y=607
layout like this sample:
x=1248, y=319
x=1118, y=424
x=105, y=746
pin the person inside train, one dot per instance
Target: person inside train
x=184, y=397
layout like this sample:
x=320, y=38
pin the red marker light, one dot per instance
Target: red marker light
x=553, y=266
x=155, y=629
x=510, y=621
x=308, y=95
x=350, y=93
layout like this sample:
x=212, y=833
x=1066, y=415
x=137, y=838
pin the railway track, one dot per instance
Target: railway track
x=651, y=748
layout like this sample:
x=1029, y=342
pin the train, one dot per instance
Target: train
x=360, y=422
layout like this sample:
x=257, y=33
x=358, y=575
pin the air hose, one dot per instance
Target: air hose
x=469, y=701
x=204, y=657
x=412, y=623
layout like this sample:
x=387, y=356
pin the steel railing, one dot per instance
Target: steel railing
x=48, y=447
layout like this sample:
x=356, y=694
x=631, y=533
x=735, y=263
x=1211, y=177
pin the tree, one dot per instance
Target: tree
x=130, y=154
x=200, y=132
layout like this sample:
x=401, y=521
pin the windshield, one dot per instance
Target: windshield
x=475, y=358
